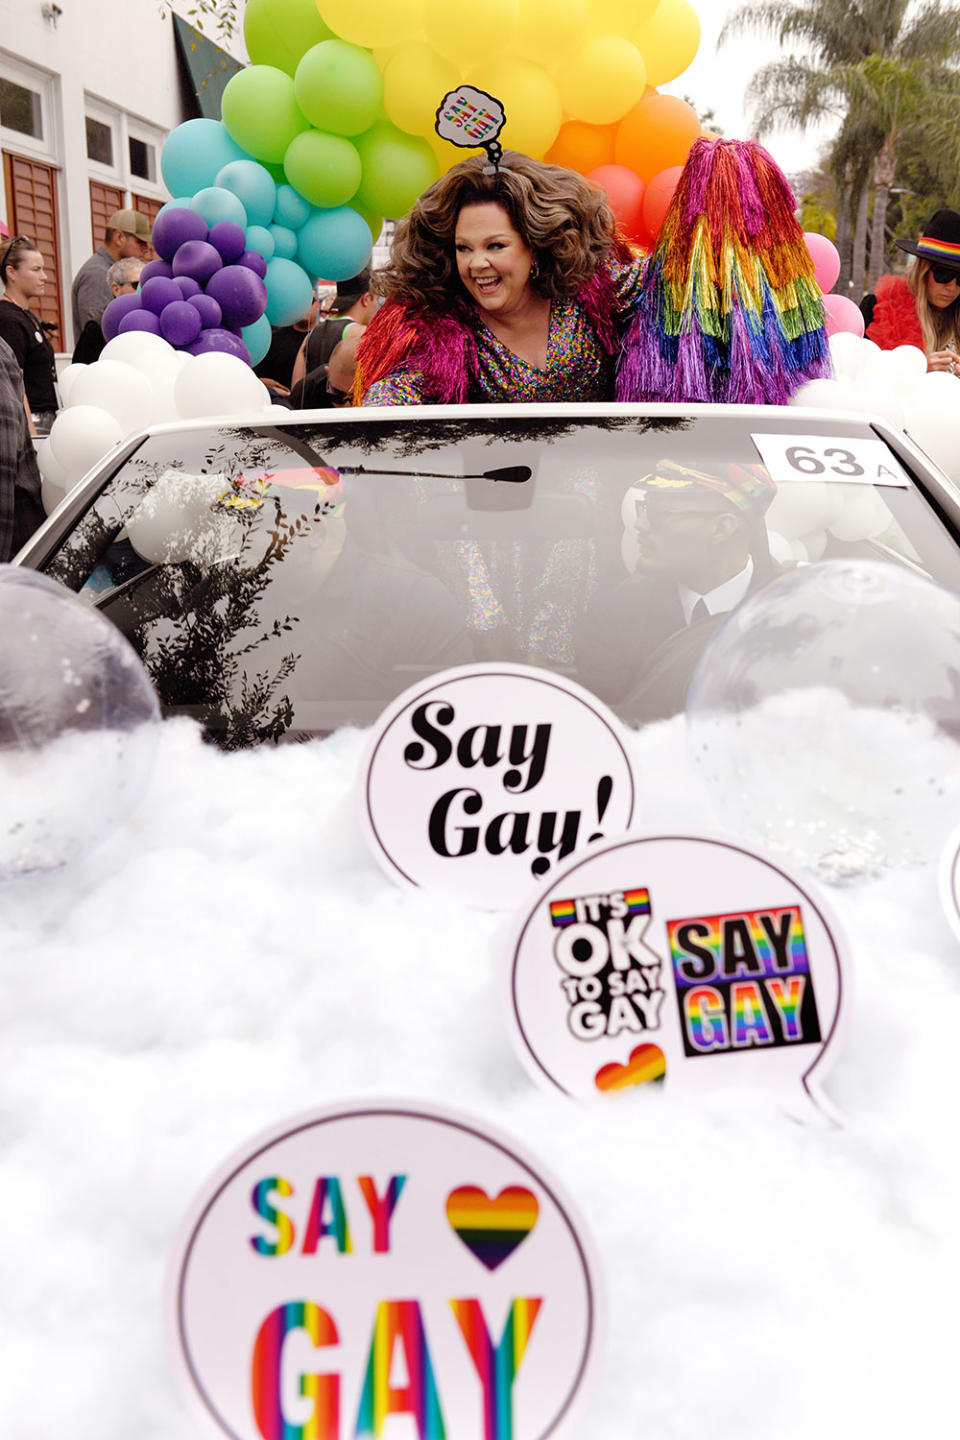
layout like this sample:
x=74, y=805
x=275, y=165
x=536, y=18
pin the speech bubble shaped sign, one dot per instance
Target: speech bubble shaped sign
x=487, y=776
x=469, y=117
x=380, y=1270
x=681, y=959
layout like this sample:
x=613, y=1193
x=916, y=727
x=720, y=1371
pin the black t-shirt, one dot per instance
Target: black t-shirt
x=279, y=360
x=21, y=330
x=324, y=339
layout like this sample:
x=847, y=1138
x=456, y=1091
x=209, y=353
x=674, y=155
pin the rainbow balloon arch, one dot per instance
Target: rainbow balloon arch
x=330, y=130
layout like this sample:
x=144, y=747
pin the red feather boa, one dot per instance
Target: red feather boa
x=895, y=317
x=443, y=350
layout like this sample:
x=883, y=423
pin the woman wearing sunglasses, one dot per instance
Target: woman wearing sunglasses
x=922, y=309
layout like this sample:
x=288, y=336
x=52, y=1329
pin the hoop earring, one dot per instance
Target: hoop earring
x=534, y=270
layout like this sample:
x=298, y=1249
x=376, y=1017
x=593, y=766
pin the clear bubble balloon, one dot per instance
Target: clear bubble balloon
x=78, y=725
x=824, y=718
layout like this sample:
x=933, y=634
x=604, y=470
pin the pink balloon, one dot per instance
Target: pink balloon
x=843, y=317
x=826, y=260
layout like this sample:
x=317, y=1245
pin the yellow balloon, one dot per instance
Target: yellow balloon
x=620, y=17
x=372, y=22
x=668, y=41
x=448, y=155
x=547, y=30
x=603, y=80
x=468, y=33
x=414, y=82
x=530, y=100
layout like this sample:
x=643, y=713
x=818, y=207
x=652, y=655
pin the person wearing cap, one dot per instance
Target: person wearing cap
x=354, y=304
x=127, y=237
x=922, y=309
x=699, y=544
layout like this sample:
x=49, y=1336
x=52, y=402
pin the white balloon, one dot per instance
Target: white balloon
x=848, y=354
x=216, y=384
x=179, y=519
x=67, y=378
x=883, y=398
x=120, y=390
x=906, y=365
x=815, y=542
x=51, y=495
x=864, y=515
x=829, y=395
x=81, y=436
x=159, y=362
x=801, y=506
x=132, y=342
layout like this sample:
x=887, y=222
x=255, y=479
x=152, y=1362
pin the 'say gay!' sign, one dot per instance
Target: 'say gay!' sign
x=487, y=777
x=681, y=959
x=384, y=1272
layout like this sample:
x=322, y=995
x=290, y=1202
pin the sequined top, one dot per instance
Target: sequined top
x=577, y=368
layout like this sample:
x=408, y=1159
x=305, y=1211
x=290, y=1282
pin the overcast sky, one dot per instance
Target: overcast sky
x=717, y=80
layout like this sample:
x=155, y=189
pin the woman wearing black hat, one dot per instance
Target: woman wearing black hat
x=924, y=308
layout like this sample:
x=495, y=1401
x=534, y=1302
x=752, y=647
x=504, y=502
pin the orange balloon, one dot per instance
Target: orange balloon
x=625, y=192
x=656, y=134
x=582, y=147
x=657, y=198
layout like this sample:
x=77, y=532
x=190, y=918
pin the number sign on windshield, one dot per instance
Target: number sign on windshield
x=854, y=460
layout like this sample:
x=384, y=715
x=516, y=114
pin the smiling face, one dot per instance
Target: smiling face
x=493, y=260
x=942, y=296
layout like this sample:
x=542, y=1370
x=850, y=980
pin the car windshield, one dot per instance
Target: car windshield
x=283, y=580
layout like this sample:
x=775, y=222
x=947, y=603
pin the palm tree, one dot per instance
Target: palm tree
x=884, y=67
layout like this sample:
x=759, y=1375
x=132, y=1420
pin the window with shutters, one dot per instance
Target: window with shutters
x=31, y=191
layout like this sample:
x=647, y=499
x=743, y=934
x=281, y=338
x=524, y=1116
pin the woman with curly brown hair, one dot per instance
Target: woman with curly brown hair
x=503, y=284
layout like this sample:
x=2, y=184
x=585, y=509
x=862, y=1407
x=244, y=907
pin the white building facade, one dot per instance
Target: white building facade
x=88, y=93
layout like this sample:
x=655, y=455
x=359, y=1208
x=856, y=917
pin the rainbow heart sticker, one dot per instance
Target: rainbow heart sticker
x=492, y=1229
x=646, y=1063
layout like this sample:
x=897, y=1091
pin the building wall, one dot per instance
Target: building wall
x=114, y=63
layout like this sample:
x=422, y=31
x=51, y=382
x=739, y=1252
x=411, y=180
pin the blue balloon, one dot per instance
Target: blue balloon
x=260, y=239
x=334, y=243
x=257, y=338
x=284, y=242
x=253, y=186
x=289, y=292
x=291, y=209
x=194, y=154
x=215, y=205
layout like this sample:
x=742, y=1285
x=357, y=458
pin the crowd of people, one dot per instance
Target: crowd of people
x=512, y=282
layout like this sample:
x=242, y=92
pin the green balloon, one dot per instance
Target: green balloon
x=260, y=110
x=324, y=168
x=339, y=87
x=280, y=32
x=375, y=223
x=396, y=169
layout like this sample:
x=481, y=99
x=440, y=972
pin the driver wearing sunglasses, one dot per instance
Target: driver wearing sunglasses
x=922, y=308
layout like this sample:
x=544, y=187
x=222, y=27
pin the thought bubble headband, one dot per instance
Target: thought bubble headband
x=468, y=117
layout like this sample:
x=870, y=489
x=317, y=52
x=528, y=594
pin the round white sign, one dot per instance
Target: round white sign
x=489, y=775
x=675, y=958
x=384, y=1270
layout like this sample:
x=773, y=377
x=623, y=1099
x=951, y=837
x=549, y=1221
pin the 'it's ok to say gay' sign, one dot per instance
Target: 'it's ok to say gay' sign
x=384, y=1271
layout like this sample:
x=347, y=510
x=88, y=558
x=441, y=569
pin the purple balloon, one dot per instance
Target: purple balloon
x=198, y=260
x=153, y=270
x=158, y=293
x=187, y=286
x=115, y=312
x=254, y=261
x=223, y=341
x=180, y=323
x=229, y=238
x=174, y=228
x=207, y=308
x=139, y=320
x=241, y=295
